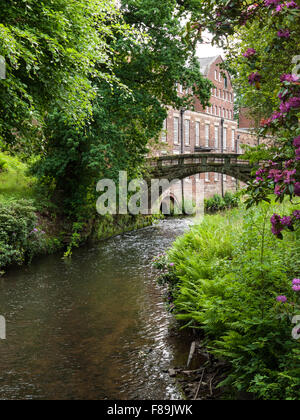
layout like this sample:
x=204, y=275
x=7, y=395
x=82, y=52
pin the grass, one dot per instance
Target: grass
x=226, y=275
x=14, y=182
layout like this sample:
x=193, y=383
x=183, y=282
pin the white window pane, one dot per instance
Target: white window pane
x=197, y=134
x=176, y=130
x=187, y=132
x=164, y=132
x=225, y=139
x=233, y=140
x=216, y=137
x=207, y=135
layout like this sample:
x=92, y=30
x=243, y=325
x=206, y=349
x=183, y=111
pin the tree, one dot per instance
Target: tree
x=123, y=121
x=51, y=49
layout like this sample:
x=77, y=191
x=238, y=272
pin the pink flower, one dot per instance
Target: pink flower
x=292, y=4
x=296, y=142
x=252, y=7
x=282, y=299
x=296, y=282
x=296, y=215
x=249, y=53
x=254, y=78
x=296, y=288
x=278, y=190
x=286, y=221
x=289, y=78
x=284, y=33
x=297, y=189
x=272, y=3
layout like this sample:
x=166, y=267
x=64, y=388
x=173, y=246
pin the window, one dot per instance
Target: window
x=220, y=111
x=207, y=135
x=224, y=95
x=216, y=110
x=225, y=178
x=187, y=132
x=176, y=130
x=220, y=77
x=223, y=112
x=216, y=137
x=180, y=89
x=225, y=82
x=225, y=139
x=216, y=177
x=206, y=177
x=197, y=134
x=233, y=140
x=164, y=133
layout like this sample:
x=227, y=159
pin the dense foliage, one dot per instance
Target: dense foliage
x=123, y=125
x=219, y=203
x=18, y=232
x=51, y=49
x=239, y=290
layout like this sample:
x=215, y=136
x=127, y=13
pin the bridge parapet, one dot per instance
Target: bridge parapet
x=182, y=166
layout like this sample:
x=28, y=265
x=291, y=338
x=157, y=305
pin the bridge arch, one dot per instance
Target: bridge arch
x=168, y=202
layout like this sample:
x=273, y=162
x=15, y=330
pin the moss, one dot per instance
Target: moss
x=108, y=226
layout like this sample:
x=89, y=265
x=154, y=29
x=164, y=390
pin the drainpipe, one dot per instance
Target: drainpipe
x=237, y=141
x=182, y=111
x=222, y=151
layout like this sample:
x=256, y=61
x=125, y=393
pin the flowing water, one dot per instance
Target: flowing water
x=94, y=327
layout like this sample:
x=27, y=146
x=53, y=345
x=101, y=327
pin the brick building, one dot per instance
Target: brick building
x=213, y=129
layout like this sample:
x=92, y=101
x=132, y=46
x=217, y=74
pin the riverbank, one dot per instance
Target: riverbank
x=31, y=226
x=26, y=233
x=224, y=277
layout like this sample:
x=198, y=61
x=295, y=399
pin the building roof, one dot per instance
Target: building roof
x=206, y=62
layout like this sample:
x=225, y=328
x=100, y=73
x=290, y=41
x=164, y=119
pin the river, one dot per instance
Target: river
x=94, y=327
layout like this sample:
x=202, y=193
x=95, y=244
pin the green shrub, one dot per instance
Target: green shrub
x=217, y=203
x=229, y=270
x=231, y=200
x=20, y=238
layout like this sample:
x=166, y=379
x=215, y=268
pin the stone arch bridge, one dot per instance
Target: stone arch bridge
x=183, y=166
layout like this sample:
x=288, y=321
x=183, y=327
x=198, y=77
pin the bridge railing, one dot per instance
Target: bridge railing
x=205, y=159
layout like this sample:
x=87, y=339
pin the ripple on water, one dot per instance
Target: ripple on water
x=92, y=328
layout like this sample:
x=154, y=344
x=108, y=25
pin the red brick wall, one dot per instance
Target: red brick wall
x=205, y=117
